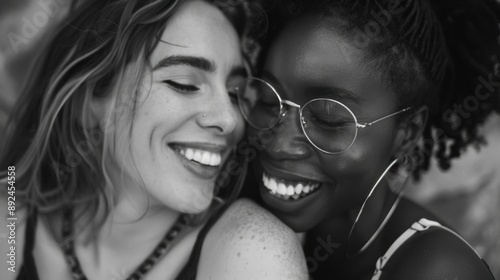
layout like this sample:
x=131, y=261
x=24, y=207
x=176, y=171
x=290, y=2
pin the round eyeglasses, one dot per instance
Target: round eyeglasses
x=329, y=125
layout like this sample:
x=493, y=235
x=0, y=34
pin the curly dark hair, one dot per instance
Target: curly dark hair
x=441, y=54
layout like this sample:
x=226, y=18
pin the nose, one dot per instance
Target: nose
x=286, y=140
x=219, y=113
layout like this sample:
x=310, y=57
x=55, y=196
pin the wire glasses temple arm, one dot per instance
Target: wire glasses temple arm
x=363, y=125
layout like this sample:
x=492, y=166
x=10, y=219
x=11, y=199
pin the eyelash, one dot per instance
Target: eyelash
x=190, y=88
x=181, y=87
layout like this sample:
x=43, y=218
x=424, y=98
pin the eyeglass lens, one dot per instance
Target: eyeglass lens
x=329, y=125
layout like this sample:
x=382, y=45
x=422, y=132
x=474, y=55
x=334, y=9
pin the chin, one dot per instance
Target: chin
x=194, y=207
x=190, y=199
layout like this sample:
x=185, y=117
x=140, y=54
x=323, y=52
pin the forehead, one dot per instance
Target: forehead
x=312, y=51
x=314, y=42
x=200, y=29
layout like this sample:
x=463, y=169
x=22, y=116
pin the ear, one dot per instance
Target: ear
x=410, y=132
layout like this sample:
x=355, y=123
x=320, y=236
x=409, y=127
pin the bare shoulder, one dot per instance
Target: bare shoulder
x=248, y=242
x=436, y=253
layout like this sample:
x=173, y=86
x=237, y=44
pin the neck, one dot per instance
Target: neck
x=126, y=238
x=135, y=215
x=128, y=223
x=135, y=225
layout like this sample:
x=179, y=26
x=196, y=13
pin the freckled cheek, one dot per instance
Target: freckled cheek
x=151, y=124
x=159, y=107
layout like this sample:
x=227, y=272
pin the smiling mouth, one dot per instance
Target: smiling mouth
x=288, y=190
x=200, y=156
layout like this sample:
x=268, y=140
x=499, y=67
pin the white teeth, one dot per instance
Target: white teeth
x=205, y=158
x=273, y=186
x=197, y=156
x=265, y=180
x=215, y=159
x=292, y=191
x=189, y=154
x=299, y=188
x=201, y=156
x=306, y=189
x=281, y=188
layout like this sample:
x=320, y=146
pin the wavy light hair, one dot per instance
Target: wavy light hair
x=54, y=142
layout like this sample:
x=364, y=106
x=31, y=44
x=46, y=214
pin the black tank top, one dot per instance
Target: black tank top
x=29, y=271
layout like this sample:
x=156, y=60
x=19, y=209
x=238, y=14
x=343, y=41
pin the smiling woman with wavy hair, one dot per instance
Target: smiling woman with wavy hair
x=118, y=142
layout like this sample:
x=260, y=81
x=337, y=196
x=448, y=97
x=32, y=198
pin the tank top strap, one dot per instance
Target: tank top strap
x=422, y=225
x=28, y=269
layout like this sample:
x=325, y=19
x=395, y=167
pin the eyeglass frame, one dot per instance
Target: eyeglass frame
x=282, y=114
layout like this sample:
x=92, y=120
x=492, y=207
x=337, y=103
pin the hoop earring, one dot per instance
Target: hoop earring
x=387, y=217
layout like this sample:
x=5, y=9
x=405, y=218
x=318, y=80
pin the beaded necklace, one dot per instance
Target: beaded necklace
x=158, y=252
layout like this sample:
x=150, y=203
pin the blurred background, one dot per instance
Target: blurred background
x=467, y=196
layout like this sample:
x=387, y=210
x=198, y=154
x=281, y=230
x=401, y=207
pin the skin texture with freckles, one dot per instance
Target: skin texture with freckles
x=247, y=233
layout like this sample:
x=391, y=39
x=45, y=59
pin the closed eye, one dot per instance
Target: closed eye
x=181, y=87
x=332, y=124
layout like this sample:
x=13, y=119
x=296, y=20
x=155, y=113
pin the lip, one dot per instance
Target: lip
x=200, y=170
x=211, y=147
x=293, y=171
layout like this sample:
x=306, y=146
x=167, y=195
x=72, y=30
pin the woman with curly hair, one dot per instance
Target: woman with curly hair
x=118, y=147
x=352, y=97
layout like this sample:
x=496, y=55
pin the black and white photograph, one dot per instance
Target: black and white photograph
x=249, y=140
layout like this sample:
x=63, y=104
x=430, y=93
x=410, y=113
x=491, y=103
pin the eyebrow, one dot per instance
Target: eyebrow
x=318, y=90
x=197, y=62
x=341, y=93
x=193, y=61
